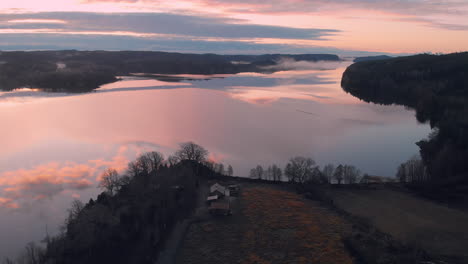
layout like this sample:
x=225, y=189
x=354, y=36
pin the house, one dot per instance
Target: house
x=218, y=189
x=220, y=208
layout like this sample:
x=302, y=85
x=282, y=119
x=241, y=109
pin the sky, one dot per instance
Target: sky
x=345, y=27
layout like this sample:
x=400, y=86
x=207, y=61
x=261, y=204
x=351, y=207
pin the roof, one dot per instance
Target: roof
x=217, y=187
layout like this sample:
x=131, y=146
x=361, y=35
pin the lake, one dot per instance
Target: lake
x=53, y=147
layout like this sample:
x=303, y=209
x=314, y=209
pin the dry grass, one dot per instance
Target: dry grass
x=269, y=226
x=412, y=220
x=283, y=228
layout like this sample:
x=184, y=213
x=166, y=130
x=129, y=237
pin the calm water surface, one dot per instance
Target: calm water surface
x=54, y=146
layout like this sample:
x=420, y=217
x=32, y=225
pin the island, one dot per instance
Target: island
x=371, y=58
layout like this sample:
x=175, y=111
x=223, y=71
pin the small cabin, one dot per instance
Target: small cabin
x=218, y=189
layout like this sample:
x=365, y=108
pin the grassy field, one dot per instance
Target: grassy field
x=268, y=225
x=414, y=221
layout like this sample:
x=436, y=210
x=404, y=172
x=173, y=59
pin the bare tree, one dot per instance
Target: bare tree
x=133, y=169
x=230, y=171
x=110, y=181
x=328, y=171
x=401, y=174
x=273, y=173
x=210, y=164
x=32, y=254
x=75, y=209
x=299, y=169
x=413, y=170
x=73, y=212
x=173, y=160
x=219, y=168
x=277, y=173
x=150, y=161
x=317, y=176
x=338, y=174
x=269, y=173
x=253, y=174
x=124, y=180
x=257, y=172
x=191, y=151
x=350, y=174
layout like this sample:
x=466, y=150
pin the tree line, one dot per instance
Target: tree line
x=87, y=70
x=305, y=170
x=412, y=171
x=436, y=87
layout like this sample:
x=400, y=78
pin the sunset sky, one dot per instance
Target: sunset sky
x=346, y=27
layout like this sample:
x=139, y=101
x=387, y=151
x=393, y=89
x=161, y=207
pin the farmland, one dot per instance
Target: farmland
x=414, y=221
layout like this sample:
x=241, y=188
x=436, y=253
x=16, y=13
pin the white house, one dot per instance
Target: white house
x=218, y=189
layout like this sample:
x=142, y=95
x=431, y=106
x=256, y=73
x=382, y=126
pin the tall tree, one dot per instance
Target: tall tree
x=150, y=161
x=350, y=174
x=276, y=172
x=257, y=172
x=328, y=171
x=134, y=169
x=269, y=173
x=173, y=160
x=317, y=176
x=33, y=254
x=338, y=174
x=191, y=151
x=401, y=174
x=221, y=168
x=299, y=169
x=110, y=181
x=413, y=170
x=230, y=170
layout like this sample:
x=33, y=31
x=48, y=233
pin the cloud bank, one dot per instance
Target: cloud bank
x=238, y=26
x=21, y=187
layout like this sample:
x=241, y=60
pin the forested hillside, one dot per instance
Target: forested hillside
x=132, y=218
x=82, y=71
x=436, y=86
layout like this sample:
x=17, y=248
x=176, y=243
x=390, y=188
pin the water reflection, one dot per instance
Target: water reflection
x=55, y=145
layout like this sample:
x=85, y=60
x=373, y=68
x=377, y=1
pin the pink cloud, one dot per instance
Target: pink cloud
x=37, y=21
x=8, y=203
x=45, y=181
x=48, y=180
x=51, y=179
x=215, y=157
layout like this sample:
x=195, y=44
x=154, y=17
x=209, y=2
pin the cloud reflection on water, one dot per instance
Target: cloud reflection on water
x=54, y=146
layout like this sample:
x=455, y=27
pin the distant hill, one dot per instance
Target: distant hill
x=436, y=86
x=372, y=58
x=82, y=71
